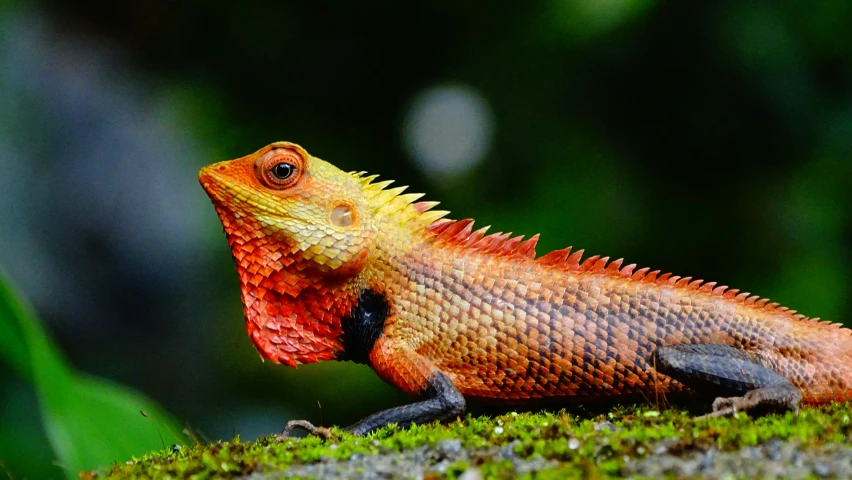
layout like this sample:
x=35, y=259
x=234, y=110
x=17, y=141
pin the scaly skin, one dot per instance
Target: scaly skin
x=456, y=311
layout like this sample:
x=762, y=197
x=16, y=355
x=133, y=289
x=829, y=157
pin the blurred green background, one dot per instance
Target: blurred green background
x=711, y=139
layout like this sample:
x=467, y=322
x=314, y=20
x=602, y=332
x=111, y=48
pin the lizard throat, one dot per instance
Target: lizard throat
x=292, y=312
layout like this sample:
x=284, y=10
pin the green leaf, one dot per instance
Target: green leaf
x=90, y=422
x=13, y=347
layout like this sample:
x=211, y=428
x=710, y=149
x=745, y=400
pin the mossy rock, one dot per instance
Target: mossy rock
x=629, y=441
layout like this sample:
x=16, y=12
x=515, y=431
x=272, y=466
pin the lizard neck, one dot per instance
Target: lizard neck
x=293, y=311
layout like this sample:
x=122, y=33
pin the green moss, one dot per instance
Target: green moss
x=572, y=446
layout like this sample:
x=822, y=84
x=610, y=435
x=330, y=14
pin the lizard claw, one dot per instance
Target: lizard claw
x=722, y=407
x=322, y=432
x=722, y=412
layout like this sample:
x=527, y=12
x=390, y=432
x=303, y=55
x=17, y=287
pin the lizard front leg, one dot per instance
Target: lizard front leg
x=717, y=367
x=444, y=401
x=413, y=374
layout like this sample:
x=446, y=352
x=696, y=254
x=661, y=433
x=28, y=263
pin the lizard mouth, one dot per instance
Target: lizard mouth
x=216, y=184
x=228, y=190
x=231, y=196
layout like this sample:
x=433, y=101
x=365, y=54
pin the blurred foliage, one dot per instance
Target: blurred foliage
x=90, y=422
x=711, y=139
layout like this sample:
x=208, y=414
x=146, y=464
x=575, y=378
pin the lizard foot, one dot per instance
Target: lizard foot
x=709, y=366
x=782, y=397
x=322, y=432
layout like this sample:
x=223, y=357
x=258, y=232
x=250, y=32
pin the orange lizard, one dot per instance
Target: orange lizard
x=337, y=266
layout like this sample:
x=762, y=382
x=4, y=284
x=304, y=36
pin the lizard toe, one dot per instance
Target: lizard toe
x=322, y=432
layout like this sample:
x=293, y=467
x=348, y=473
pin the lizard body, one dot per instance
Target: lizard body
x=334, y=265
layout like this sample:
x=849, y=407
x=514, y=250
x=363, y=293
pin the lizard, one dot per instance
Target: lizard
x=336, y=265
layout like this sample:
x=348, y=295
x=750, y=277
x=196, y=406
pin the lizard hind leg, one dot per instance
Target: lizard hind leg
x=716, y=368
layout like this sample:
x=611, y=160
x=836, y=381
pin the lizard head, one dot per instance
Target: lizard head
x=312, y=212
x=303, y=234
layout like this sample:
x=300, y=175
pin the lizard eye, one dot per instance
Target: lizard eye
x=279, y=168
x=283, y=171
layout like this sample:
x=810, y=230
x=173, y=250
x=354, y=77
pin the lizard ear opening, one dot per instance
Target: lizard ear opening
x=279, y=168
x=342, y=216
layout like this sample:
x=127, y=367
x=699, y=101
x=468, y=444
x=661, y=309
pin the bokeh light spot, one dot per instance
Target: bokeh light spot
x=448, y=129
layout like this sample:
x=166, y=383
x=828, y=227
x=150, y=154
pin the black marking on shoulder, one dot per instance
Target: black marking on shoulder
x=363, y=326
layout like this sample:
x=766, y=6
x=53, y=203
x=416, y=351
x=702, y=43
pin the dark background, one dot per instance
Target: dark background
x=711, y=139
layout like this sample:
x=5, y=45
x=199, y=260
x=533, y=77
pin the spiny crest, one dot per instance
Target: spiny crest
x=393, y=201
x=460, y=232
x=572, y=262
